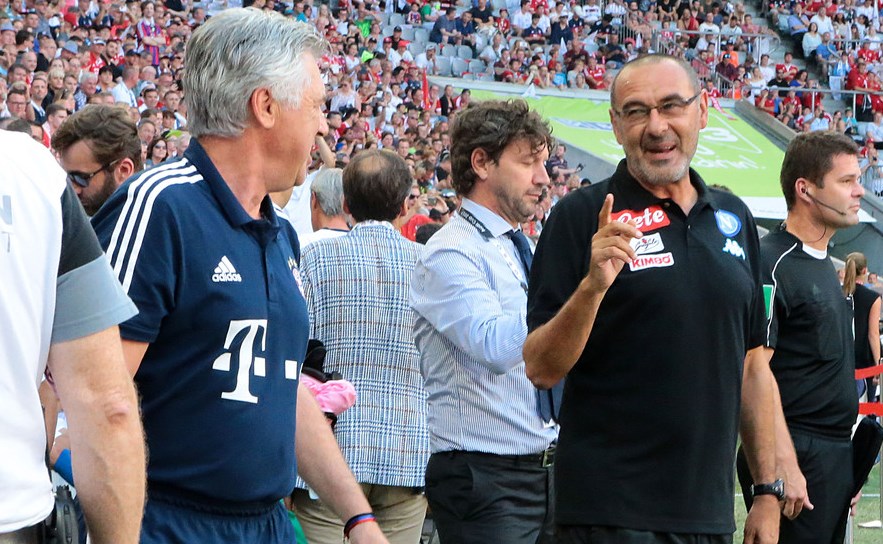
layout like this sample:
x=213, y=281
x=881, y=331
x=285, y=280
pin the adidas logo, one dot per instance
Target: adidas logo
x=225, y=271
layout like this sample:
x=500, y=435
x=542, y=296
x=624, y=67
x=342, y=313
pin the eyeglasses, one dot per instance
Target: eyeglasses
x=413, y=197
x=83, y=180
x=670, y=108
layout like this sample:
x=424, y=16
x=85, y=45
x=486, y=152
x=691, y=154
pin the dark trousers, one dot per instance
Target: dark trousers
x=480, y=498
x=827, y=467
x=595, y=534
x=170, y=523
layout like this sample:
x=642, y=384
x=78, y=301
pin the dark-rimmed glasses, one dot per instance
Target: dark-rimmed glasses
x=670, y=108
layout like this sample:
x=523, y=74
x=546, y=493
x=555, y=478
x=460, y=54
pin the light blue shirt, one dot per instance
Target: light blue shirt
x=470, y=329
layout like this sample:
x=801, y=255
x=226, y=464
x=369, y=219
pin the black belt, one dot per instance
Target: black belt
x=544, y=459
x=25, y=535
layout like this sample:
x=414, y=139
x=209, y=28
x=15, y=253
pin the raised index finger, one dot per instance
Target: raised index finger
x=606, y=208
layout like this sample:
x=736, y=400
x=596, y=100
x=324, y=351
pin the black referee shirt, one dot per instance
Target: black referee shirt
x=651, y=408
x=810, y=328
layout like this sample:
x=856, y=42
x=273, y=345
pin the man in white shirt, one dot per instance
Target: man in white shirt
x=822, y=20
x=59, y=314
x=493, y=51
x=124, y=92
x=875, y=129
x=708, y=25
x=522, y=18
x=591, y=12
x=427, y=60
x=326, y=207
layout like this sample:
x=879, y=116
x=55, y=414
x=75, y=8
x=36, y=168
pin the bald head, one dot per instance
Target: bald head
x=647, y=60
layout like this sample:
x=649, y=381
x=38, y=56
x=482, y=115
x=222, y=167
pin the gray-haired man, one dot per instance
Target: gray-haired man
x=222, y=330
x=326, y=207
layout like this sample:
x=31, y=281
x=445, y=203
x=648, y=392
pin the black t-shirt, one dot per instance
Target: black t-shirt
x=484, y=15
x=651, y=408
x=174, y=5
x=863, y=298
x=78, y=244
x=810, y=328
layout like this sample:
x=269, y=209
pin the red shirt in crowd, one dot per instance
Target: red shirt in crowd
x=539, y=6
x=595, y=76
x=94, y=63
x=789, y=69
x=855, y=79
x=868, y=55
x=503, y=25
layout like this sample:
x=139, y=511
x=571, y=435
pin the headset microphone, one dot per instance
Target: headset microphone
x=820, y=203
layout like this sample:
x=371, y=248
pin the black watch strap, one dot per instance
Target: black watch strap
x=776, y=488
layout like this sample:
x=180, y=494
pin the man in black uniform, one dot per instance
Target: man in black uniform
x=809, y=336
x=650, y=277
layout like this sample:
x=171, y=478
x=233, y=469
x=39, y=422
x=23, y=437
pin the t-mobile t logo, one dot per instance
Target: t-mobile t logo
x=248, y=331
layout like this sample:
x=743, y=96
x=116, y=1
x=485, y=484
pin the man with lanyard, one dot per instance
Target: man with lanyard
x=809, y=338
x=222, y=331
x=492, y=434
x=654, y=351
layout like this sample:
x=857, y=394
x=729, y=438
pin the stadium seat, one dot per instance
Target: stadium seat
x=497, y=5
x=396, y=19
x=408, y=33
x=477, y=67
x=449, y=51
x=421, y=35
x=387, y=31
x=444, y=66
x=464, y=52
x=485, y=76
x=416, y=48
x=458, y=66
x=384, y=18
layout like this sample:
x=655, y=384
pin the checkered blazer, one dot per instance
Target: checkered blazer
x=356, y=288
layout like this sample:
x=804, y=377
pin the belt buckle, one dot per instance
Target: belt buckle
x=548, y=457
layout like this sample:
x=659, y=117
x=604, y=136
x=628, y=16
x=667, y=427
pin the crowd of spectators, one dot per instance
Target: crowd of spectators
x=58, y=56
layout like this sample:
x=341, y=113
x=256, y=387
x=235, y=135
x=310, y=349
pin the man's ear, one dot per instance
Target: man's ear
x=481, y=163
x=124, y=170
x=264, y=108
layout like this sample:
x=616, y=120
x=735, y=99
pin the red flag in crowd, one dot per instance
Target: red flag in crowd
x=427, y=101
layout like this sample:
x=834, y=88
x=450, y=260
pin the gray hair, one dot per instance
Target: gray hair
x=237, y=52
x=88, y=76
x=328, y=188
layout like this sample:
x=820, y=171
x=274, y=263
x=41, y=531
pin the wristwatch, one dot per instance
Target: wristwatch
x=776, y=488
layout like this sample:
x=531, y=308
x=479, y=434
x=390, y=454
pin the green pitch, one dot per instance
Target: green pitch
x=730, y=151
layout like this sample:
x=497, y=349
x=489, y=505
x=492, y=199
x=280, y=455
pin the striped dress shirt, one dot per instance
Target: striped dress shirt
x=471, y=309
x=356, y=288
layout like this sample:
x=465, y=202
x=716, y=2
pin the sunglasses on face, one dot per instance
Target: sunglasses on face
x=83, y=179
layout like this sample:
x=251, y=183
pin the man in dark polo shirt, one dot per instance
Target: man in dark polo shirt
x=646, y=293
x=221, y=334
x=809, y=336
